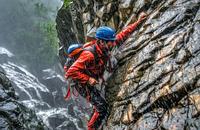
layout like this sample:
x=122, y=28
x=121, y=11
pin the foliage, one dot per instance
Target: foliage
x=50, y=45
x=35, y=41
x=38, y=47
x=67, y=3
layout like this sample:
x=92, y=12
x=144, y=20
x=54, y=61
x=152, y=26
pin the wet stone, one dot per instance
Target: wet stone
x=56, y=120
x=4, y=124
x=10, y=106
x=3, y=95
x=69, y=125
x=13, y=113
x=158, y=66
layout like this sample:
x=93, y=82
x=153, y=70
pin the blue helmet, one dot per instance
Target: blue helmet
x=105, y=33
x=73, y=47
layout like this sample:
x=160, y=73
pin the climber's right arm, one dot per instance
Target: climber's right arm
x=125, y=33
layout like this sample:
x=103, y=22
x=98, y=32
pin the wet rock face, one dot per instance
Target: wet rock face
x=159, y=72
x=156, y=83
x=14, y=115
x=69, y=28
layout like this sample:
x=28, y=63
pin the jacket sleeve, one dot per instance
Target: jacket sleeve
x=76, y=70
x=125, y=33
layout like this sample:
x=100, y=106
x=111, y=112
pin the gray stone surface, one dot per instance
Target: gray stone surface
x=14, y=115
x=156, y=82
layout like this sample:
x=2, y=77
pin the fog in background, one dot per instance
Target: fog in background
x=19, y=27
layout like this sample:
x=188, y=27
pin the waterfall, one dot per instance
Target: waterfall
x=45, y=96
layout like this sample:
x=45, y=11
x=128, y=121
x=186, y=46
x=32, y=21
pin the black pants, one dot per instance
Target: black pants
x=96, y=100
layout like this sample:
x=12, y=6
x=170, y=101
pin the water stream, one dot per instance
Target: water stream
x=45, y=95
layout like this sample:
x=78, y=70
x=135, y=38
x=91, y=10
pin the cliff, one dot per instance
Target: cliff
x=13, y=114
x=156, y=83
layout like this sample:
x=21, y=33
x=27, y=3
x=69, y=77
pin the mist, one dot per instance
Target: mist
x=28, y=57
x=23, y=30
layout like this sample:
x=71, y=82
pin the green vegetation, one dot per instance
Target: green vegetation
x=38, y=46
x=45, y=46
x=67, y=3
x=50, y=45
x=33, y=37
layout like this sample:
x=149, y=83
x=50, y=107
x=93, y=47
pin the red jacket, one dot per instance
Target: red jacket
x=86, y=60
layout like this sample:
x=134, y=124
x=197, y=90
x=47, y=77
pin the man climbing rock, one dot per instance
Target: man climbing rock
x=91, y=64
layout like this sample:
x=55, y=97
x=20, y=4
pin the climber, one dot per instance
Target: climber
x=89, y=68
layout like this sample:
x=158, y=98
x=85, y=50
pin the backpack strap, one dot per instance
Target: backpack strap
x=93, y=49
x=67, y=96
